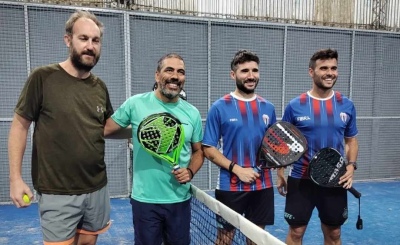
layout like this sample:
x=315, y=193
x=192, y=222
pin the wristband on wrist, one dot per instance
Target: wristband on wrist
x=352, y=163
x=231, y=166
x=191, y=173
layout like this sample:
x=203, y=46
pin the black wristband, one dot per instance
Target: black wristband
x=231, y=166
x=191, y=172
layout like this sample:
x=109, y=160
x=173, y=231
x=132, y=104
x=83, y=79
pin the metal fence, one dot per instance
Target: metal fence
x=360, y=14
x=31, y=36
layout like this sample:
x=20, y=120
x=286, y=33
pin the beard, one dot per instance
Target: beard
x=320, y=83
x=170, y=94
x=241, y=85
x=79, y=63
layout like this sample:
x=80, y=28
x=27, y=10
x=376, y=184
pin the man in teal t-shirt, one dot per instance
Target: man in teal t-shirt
x=160, y=198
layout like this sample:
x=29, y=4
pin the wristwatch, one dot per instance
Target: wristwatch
x=352, y=163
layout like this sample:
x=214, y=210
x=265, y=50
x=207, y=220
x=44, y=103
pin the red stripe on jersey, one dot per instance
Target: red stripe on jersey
x=228, y=98
x=242, y=109
x=254, y=108
x=303, y=98
x=304, y=165
x=316, y=108
x=339, y=97
x=329, y=107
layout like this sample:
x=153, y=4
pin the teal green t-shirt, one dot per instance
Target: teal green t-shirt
x=153, y=181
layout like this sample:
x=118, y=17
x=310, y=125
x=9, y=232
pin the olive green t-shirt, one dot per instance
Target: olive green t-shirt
x=69, y=115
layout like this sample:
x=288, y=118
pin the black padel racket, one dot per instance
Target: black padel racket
x=162, y=135
x=282, y=145
x=326, y=167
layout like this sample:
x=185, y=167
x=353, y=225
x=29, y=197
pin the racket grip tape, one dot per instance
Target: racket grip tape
x=355, y=193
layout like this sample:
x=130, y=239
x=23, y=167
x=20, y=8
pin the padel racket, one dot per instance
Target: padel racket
x=162, y=135
x=282, y=145
x=182, y=94
x=326, y=167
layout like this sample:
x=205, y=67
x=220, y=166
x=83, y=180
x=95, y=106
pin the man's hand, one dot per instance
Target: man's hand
x=281, y=183
x=246, y=175
x=347, y=178
x=18, y=189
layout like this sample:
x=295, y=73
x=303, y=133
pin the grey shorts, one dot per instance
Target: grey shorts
x=62, y=216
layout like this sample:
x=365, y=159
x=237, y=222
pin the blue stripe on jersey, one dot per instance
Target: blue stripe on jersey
x=324, y=123
x=241, y=125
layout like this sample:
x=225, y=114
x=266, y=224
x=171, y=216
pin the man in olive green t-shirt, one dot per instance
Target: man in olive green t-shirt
x=69, y=107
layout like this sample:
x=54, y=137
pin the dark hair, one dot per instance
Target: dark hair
x=167, y=56
x=243, y=56
x=323, y=54
x=69, y=25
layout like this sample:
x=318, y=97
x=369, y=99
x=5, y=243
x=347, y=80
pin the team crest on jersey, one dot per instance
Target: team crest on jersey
x=265, y=119
x=344, y=117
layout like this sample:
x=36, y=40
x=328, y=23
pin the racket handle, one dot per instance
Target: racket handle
x=257, y=169
x=176, y=167
x=355, y=193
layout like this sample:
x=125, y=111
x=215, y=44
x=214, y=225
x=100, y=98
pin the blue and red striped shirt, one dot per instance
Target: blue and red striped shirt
x=238, y=126
x=324, y=123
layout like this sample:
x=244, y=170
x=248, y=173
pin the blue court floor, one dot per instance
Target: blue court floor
x=380, y=211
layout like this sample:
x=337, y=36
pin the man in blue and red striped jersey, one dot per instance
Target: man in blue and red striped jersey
x=327, y=119
x=239, y=119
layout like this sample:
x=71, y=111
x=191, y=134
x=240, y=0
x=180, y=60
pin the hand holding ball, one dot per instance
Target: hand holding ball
x=26, y=199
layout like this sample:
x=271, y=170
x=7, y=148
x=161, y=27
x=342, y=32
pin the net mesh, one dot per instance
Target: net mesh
x=204, y=225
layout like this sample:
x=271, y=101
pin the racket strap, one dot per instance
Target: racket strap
x=359, y=224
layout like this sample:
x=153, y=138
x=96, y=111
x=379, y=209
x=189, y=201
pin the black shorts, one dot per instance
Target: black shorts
x=161, y=223
x=303, y=196
x=256, y=206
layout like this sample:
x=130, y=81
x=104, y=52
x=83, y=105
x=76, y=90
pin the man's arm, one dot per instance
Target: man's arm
x=246, y=175
x=184, y=175
x=197, y=159
x=113, y=131
x=16, y=148
x=281, y=183
x=351, y=149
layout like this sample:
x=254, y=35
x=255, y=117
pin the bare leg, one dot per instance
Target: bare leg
x=224, y=237
x=331, y=234
x=295, y=235
x=85, y=239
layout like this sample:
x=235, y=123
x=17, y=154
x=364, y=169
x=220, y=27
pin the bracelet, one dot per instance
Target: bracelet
x=352, y=163
x=231, y=166
x=191, y=172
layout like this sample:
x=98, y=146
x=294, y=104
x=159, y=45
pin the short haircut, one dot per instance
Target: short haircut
x=167, y=56
x=323, y=54
x=69, y=25
x=243, y=56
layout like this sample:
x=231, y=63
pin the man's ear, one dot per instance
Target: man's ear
x=67, y=40
x=156, y=76
x=311, y=72
x=233, y=75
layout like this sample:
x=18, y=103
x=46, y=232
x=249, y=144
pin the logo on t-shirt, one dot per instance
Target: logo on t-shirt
x=303, y=118
x=265, y=119
x=100, y=109
x=344, y=117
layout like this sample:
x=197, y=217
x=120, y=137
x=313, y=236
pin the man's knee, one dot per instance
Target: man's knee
x=331, y=233
x=296, y=233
